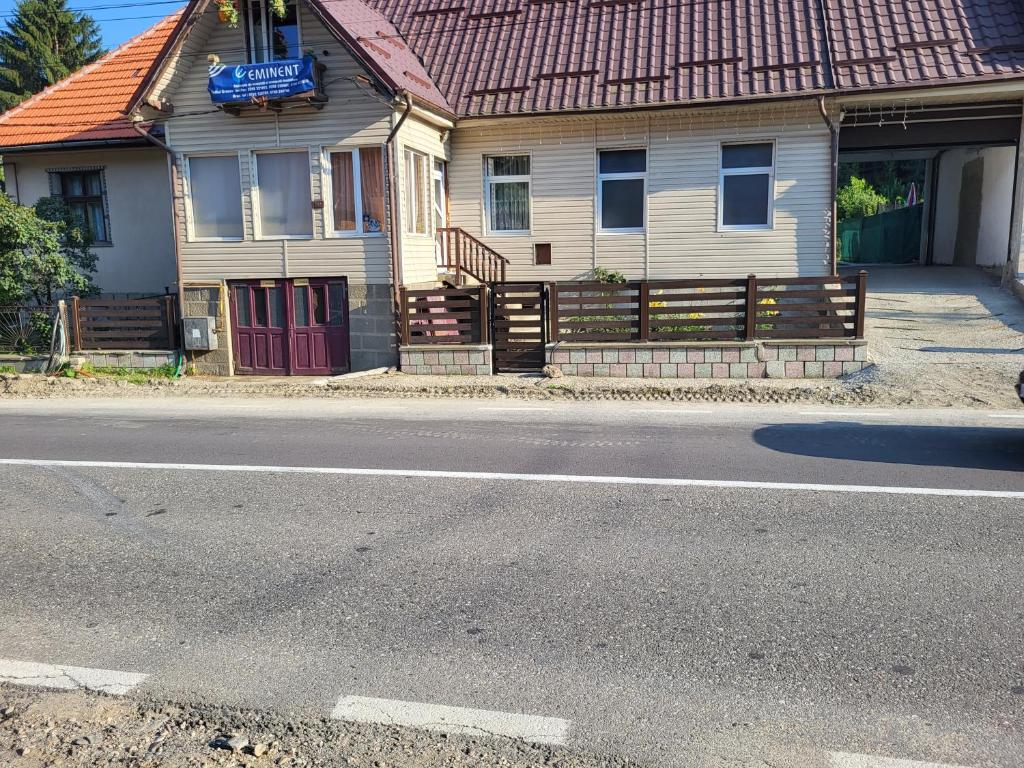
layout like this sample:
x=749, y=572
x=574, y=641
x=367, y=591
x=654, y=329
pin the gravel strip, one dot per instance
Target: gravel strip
x=76, y=728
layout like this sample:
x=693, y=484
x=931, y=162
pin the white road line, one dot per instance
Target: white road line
x=511, y=408
x=855, y=414
x=680, y=411
x=439, y=717
x=1006, y=415
x=457, y=475
x=70, y=678
x=850, y=760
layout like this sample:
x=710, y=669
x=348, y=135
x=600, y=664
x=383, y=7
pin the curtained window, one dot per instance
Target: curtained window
x=507, y=191
x=285, y=199
x=417, y=193
x=215, y=193
x=362, y=170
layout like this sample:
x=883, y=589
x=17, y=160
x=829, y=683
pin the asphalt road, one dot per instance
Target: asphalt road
x=707, y=626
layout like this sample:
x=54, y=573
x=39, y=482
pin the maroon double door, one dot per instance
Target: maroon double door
x=290, y=327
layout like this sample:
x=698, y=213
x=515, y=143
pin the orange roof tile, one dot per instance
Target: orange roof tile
x=86, y=105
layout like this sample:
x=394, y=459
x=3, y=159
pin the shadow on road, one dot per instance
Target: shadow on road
x=994, y=448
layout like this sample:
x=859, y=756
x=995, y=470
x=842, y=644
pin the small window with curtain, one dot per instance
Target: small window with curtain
x=215, y=197
x=621, y=189
x=417, y=193
x=284, y=194
x=84, y=193
x=746, y=197
x=507, y=193
x=357, y=191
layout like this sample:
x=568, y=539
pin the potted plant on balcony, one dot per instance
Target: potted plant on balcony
x=227, y=12
x=277, y=8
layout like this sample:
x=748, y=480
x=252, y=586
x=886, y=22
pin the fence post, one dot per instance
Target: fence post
x=645, y=310
x=751, y=310
x=458, y=258
x=484, y=323
x=862, y=292
x=553, y=312
x=168, y=313
x=76, y=324
x=403, y=301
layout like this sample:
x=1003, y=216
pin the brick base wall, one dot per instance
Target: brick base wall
x=446, y=359
x=747, y=360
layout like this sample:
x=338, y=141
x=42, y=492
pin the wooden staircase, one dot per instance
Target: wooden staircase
x=462, y=256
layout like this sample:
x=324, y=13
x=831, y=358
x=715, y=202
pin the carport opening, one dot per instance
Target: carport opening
x=928, y=184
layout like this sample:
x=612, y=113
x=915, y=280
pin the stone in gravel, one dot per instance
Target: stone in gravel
x=82, y=741
x=552, y=371
x=259, y=749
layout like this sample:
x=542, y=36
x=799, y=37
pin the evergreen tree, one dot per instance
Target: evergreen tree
x=44, y=42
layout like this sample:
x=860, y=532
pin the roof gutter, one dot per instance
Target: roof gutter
x=61, y=145
x=396, y=261
x=172, y=170
x=833, y=130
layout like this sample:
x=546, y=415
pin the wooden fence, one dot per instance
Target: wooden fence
x=445, y=315
x=150, y=323
x=709, y=310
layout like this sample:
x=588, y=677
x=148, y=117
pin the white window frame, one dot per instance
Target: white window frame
x=412, y=154
x=190, y=229
x=257, y=203
x=265, y=27
x=602, y=177
x=747, y=171
x=327, y=184
x=491, y=180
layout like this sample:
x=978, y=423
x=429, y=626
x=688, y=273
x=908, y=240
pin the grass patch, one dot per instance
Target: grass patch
x=131, y=375
x=7, y=369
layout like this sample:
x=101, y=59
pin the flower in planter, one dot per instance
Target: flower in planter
x=227, y=12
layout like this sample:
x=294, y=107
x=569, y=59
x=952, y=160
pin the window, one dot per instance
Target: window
x=417, y=193
x=215, y=197
x=621, y=189
x=363, y=170
x=270, y=38
x=283, y=192
x=507, y=193
x=746, y=197
x=83, y=193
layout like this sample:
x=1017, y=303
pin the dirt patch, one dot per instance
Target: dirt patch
x=76, y=728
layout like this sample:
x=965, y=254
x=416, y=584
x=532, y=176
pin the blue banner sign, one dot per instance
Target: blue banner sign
x=271, y=80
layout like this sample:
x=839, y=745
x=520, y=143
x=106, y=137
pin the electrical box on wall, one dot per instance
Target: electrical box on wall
x=199, y=333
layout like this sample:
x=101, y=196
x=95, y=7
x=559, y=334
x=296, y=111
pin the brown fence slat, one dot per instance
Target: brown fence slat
x=149, y=323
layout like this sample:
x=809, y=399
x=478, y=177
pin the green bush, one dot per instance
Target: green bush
x=857, y=199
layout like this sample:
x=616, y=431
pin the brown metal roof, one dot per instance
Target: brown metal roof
x=493, y=57
x=887, y=43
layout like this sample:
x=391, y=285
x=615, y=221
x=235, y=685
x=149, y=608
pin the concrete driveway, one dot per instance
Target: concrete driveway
x=950, y=333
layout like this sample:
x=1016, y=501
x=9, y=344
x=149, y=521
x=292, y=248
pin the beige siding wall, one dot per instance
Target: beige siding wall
x=351, y=118
x=682, y=238
x=419, y=258
x=138, y=199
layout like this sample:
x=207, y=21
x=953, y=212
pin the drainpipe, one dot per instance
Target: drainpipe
x=173, y=173
x=833, y=130
x=396, y=264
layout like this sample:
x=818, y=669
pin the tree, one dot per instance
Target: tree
x=45, y=253
x=44, y=42
x=858, y=198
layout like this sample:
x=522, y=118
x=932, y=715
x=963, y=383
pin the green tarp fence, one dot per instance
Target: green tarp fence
x=893, y=237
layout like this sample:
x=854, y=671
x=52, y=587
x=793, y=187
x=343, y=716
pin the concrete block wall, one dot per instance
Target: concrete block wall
x=447, y=359
x=145, y=359
x=372, y=331
x=741, y=360
x=205, y=301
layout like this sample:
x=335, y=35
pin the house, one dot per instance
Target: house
x=73, y=140
x=322, y=158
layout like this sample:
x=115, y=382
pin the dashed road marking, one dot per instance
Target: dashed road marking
x=851, y=760
x=679, y=411
x=1006, y=415
x=447, y=474
x=67, y=677
x=440, y=717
